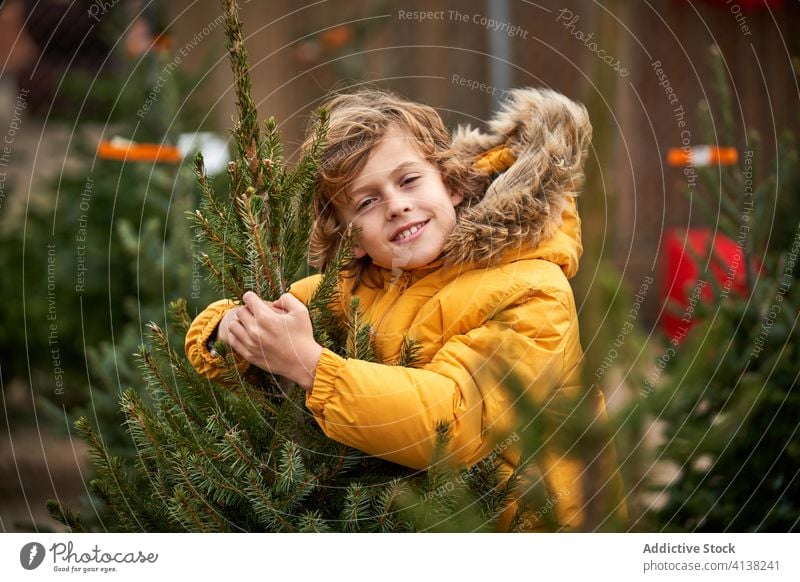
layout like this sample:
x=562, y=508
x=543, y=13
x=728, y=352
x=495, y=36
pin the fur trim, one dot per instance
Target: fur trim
x=549, y=135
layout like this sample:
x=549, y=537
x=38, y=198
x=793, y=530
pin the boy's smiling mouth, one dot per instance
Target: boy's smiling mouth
x=410, y=232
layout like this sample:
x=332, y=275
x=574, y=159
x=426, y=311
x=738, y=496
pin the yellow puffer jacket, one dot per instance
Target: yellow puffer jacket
x=485, y=310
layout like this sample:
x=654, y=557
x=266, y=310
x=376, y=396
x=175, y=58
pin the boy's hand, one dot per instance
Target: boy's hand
x=224, y=325
x=275, y=336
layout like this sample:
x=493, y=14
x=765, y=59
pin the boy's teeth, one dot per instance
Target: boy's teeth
x=407, y=232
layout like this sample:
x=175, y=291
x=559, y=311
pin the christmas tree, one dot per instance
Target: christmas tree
x=246, y=456
x=730, y=403
x=120, y=248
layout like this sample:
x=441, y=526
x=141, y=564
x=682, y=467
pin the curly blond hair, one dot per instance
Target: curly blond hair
x=358, y=122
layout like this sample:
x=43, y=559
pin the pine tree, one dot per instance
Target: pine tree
x=731, y=401
x=70, y=238
x=124, y=221
x=246, y=456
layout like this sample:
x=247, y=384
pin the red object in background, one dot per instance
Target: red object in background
x=682, y=249
x=337, y=37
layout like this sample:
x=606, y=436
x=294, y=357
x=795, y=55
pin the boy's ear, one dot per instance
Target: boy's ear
x=358, y=252
x=456, y=197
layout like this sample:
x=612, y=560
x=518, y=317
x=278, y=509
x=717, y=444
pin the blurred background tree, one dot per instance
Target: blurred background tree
x=106, y=244
x=730, y=400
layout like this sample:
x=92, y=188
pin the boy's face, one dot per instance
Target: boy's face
x=402, y=206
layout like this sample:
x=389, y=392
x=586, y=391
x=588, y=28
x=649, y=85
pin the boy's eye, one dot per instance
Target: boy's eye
x=364, y=203
x=409, y=180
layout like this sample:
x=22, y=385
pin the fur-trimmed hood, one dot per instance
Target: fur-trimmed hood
x=525, y=207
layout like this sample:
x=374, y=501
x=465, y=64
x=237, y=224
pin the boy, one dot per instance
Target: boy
x=465, y=245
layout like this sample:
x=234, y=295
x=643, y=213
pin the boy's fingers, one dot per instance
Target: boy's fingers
x=288, y=302
x=256, y=310
x=250, y=297
x=253, y=302
x=246, y=318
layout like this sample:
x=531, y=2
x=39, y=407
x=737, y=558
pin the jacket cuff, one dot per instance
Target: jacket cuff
x=210, y=365
x=325, y=377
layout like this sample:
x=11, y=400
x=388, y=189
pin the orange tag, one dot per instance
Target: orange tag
x=700, y=156
x=128, y=151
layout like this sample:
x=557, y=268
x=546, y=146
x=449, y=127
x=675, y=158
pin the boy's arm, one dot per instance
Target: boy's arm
x=392, y=412
x=203, y=332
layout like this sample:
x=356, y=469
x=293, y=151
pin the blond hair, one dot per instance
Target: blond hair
x=358, y=121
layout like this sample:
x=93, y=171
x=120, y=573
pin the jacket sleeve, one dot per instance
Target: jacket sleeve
x=204, y=327
x=392, y=411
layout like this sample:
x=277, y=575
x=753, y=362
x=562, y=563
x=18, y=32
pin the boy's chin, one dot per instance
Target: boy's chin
x=408, y=263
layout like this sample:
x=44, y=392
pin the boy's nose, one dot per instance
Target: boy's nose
x=397, y=205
